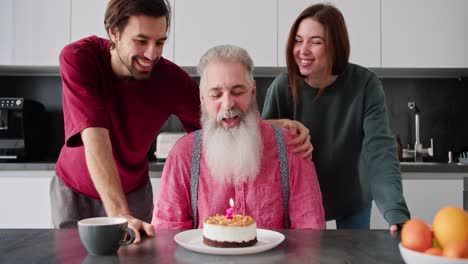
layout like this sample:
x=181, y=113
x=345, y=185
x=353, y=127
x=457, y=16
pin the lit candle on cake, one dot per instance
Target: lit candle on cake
x=230, y=210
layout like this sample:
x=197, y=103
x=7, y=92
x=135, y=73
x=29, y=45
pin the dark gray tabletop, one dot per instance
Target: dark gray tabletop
x=300, y=246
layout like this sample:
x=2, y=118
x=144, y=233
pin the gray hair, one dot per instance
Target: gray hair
x=225, y=53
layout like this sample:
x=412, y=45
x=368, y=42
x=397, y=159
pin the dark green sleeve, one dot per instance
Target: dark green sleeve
x=380, y=154
x=277, y=104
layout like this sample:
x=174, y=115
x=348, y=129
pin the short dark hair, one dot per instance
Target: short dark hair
x=336, y=41
x=119, y=11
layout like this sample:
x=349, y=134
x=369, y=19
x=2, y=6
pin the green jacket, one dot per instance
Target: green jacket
x=355, y=153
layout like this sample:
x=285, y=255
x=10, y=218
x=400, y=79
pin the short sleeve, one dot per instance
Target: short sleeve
x=81, y=97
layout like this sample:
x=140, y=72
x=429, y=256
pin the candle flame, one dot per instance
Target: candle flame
x=231, y=202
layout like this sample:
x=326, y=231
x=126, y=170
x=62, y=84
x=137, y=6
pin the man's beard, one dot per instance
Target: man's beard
x=136, y=74
x=233, y=155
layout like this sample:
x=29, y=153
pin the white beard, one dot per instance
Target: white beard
x=233, y=155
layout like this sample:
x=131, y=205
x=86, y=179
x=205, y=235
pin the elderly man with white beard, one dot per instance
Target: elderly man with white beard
x=236, y=155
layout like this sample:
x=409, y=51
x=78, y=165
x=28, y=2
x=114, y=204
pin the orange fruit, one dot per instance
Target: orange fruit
x=434, y=251
x=416, y=235
x=450, y=224
x=456, y=249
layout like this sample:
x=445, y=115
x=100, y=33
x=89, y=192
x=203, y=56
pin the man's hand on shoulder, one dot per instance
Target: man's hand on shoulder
x=302, y=141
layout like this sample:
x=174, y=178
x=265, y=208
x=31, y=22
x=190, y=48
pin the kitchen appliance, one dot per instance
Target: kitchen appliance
x=164, y=143
x=21, y=126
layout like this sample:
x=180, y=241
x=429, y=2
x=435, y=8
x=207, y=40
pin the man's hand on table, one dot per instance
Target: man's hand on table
x=136, y=225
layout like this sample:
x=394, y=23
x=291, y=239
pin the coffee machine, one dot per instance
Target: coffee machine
x=21, y=123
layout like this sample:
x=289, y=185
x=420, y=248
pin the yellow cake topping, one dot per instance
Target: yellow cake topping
x=237, y=220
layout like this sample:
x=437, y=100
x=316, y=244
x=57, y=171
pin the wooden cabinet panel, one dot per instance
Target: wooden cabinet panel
x=424, y=33
x=424, y=198
x=155, y=182
x=386, y=33
x=465, y=33
x=87, y=19
x=25, y=199
x=40, y=29
x=363, y=23
x=6, y=30
x=200, y=25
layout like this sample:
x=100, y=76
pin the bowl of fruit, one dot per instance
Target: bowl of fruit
x=415, y=257
x=445, y=242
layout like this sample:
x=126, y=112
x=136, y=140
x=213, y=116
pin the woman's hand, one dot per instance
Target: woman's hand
x=395, y=228
x=302, y=141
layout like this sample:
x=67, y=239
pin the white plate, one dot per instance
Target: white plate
x=415, y=257
x=193, y=240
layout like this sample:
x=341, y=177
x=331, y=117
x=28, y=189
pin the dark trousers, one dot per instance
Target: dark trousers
x=68, y=207
x=358, y=220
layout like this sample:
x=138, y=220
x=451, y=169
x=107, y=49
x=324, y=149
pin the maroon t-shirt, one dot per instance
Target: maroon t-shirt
x=133, y=111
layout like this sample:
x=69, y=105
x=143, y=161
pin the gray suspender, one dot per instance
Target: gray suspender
x=283, y=160
x=195, y=171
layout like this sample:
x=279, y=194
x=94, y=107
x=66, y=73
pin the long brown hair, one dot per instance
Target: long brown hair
x=119, y=11
x=336, y=43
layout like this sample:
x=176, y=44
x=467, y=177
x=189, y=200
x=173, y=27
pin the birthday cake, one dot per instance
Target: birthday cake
x=240, y=231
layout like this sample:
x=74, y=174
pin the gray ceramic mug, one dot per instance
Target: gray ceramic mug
x=105, y=235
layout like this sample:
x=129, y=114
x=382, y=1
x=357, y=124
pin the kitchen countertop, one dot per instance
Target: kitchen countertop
x=420, y=167
x=436, y=167
x=299, y=246
x=49, y=166
x=268, y=71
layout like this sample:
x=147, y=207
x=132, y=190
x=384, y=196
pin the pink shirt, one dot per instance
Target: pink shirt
x=262, y=198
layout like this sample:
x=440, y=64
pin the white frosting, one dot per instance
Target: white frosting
x=224, y=233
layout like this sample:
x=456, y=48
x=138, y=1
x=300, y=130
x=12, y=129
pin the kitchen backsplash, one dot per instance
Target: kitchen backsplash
x=443, y=105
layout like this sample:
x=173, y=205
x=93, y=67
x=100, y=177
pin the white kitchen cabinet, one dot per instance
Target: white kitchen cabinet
x=87, y=19
x=424, y=33
x=465, y=33
x=6, y=30
x=200, y=25
x=362, y=20
x=40, y=30
x=25, y=199
x=424, y=197
x=155, y=182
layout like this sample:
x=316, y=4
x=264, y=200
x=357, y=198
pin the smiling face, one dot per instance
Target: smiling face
x=232, y=141
x=138, y=47
x=309, y=49
x=226, y=93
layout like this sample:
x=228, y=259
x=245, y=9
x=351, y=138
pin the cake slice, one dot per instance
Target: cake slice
x=240, y=231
